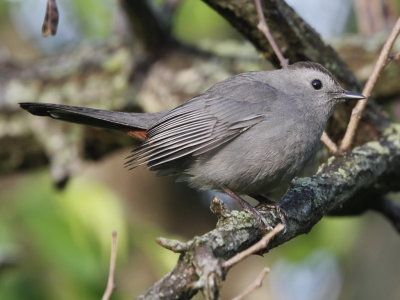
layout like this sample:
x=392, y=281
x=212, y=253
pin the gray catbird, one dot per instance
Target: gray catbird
x=245, y=134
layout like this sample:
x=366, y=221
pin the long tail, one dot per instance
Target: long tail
x=135, y=124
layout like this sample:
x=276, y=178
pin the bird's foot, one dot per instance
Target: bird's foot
x=274, y=210
x=265, y=203
x=247, y=206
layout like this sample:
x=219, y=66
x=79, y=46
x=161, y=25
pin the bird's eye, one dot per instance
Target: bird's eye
x=316, y=84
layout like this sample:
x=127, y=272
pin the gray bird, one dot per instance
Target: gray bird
x=246, y=134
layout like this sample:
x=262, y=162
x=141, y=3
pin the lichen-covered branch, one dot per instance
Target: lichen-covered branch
x=338, y=181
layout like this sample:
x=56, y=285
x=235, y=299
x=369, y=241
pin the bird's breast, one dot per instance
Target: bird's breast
x=258, y=159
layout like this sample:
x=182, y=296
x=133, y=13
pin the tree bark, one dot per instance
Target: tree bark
x=364, y=171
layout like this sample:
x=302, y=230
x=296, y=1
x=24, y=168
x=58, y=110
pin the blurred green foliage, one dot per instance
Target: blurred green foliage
x=338, y=235
x=196, y=21
x=60, y=240
x=94, y=17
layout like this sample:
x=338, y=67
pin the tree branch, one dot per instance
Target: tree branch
x=259, y=246
x=257, y=283
x=381, y=63
x=303, y=205
x=263, y=27
x=331, y=145
x=111, y=273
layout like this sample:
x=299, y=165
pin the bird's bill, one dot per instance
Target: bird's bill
x=350, y=95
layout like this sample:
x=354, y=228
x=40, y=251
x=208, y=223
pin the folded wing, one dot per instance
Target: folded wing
x=194, y=128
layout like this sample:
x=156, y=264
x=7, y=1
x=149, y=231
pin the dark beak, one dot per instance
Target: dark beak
x=350, y=95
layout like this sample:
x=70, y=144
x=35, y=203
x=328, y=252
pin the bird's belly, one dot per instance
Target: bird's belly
x=252, y=163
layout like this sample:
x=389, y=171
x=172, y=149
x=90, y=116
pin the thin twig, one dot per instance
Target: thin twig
x=393, y=57
x=263, y=27
x=329, y=143
x=260, y=245
x=256, y=284
x=172, y=245
x=113, y=258
x=359, y=108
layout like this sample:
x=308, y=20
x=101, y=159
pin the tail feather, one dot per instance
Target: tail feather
x=129, y=122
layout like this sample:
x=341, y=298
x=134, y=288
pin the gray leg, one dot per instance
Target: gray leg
x=245, y=205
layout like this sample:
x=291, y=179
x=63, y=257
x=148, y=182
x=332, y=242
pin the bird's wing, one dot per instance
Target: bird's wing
x=200, y=125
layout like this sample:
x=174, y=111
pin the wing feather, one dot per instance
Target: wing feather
x=194, y=128
x=158, y=152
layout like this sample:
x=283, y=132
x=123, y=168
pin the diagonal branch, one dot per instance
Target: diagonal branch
x=257, y=283
x=259, y=246
x=381, y=63
x=263, y=27
x=303, y=205
x=331, y=145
